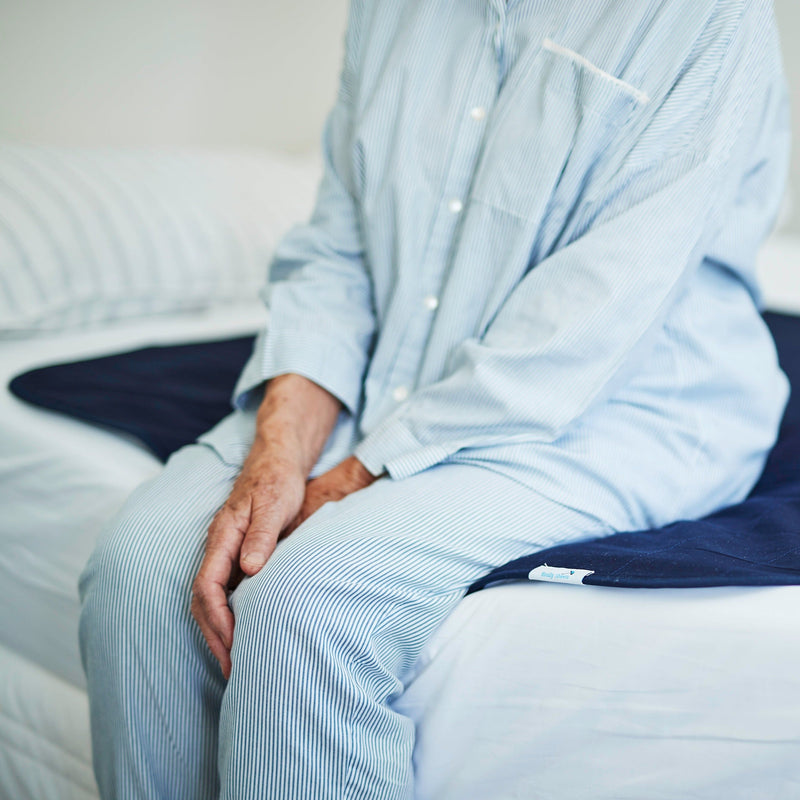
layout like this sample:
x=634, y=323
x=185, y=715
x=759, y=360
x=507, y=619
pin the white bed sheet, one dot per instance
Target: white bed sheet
x=44, y=734
x=60, y=479
x=537, y=692
x=527, y=691
x=554, y=692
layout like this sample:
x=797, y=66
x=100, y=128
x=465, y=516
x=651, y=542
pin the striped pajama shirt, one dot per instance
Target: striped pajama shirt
x=529, y=279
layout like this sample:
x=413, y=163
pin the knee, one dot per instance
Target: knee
x=138, y=563
x=333, y=608
x=297, y=593
x=318, y=590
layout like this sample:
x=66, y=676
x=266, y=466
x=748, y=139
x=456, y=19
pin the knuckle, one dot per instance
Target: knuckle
x=216, y=629
x=233, y=508
x=199, y=592
x=216, y=548
x=199, y=617
x=221, y=512
x=230, y=519
x=263, y=506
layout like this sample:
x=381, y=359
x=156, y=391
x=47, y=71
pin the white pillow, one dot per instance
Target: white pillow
x=89, y=235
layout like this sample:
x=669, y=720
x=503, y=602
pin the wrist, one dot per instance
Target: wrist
x=295, y=419
x=358, y=474
x=278, y=447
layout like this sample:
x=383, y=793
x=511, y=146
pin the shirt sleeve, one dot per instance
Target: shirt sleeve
x=319, y=294
x=579, y=320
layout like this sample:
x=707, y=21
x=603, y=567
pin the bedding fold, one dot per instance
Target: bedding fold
x=168, y=396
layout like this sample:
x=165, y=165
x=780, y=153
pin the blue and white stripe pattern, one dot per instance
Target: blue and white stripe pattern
x=529, y=279
x=535, y=216
x=324, y=633
x=92, y=235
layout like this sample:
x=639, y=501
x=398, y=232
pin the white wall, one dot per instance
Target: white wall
x=191, y=72
x=788, y=12
x=197, y=72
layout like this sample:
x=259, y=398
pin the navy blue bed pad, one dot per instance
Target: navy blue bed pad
x=167, y=396
x=164, y=396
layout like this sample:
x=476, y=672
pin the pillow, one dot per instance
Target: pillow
x=91, y=235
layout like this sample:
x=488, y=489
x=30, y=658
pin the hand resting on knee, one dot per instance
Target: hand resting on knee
x=270, y=498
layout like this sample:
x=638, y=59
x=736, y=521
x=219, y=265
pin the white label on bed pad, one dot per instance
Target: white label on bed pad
x=559, y=574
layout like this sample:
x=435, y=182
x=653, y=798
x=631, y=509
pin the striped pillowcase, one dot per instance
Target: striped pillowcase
x=91, y=235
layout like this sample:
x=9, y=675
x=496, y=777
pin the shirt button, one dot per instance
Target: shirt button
x=400, y=393
x=478, y=113
x=431, y=302
x=455, y=205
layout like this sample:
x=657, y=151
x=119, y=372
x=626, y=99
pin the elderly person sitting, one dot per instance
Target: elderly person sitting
x=522, y=313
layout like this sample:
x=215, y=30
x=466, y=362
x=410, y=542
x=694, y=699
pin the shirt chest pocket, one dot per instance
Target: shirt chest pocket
x=558, y=116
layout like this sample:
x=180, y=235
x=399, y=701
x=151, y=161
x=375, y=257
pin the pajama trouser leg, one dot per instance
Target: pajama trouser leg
x=154, y=687
x=328, y=629
x=324, y=635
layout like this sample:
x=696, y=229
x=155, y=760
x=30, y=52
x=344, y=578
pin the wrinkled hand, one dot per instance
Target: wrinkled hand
x=270, y=498
x=265, y=498
x=345, y=478
x=294, y=419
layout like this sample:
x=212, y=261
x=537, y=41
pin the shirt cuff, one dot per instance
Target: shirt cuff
x=330, y=364
x=392, y=448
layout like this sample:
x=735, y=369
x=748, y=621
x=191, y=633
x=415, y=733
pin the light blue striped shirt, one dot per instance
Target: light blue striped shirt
x=535, y=238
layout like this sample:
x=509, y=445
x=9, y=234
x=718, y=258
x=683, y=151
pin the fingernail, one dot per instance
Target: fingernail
x=253, y=559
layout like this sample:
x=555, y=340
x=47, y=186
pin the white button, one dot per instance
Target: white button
x=400, y=393
x=431, y=302
x=478, y=113
x=455, y=205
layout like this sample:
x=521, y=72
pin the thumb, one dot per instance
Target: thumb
x=259, y=541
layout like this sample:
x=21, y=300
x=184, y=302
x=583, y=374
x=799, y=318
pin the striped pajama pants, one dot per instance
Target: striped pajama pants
x=325, y=634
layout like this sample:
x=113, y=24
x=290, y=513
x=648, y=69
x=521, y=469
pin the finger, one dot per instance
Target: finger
x=220, y=616
x=220, y=570
x=217, y=627
x=228, y=527
x=214, y=642
x=212, y=600
x=260, y=539
x=211, y=583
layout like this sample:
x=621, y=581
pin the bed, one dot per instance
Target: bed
x=528, y=690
